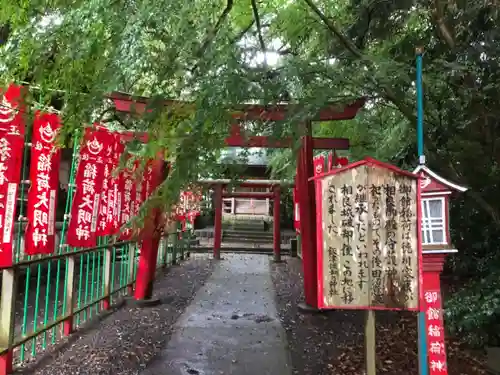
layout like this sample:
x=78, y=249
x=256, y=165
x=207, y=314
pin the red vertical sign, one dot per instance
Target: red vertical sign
x=107, y=200
x=44, y=177
x=319, y=165
x=128, y=192
x=84, y=211
x=331, y=157
x=434, y=324
x=115, y=204
x=11, y=159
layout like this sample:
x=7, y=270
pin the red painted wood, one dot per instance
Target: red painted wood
x=146, y=268
x=307, y=204
x=268, y=142
x=6, y=363
x=367, y=161
x=68, y=326
x=330, y=143
x=319, y=242
x=431, y=185
x=218, y=221
x=276, y=224
x=280, y=112
x=436, y=344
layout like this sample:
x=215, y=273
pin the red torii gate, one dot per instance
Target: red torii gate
x=305, y=169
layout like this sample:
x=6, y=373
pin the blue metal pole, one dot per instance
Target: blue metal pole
x=422, y=332
x=420, y=108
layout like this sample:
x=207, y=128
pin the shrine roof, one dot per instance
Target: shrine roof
x=440, y=180
x=369, y=162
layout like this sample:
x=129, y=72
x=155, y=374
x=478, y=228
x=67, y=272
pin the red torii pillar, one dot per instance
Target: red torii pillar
x=218, y=220
x=151, y=236
x=276, y=224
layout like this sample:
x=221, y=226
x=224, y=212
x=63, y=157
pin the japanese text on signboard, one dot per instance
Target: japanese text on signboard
x=369, y=239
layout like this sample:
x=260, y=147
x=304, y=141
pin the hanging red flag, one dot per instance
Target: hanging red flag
x=84, y=211
x=128, y=190
x=319, y=164
x=11, y=159
x=44, y=177
x=105, y=220
x=332, y=155
x=115, y=196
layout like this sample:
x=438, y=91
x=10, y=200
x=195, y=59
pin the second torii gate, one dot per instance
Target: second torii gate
x=305, y=169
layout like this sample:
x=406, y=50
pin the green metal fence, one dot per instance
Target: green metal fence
x=46, y=298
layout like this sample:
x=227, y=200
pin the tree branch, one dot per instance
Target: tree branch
x=344, y=40
x=257, y=23
x=445, y=32
x=213, y=32
x=4, y=33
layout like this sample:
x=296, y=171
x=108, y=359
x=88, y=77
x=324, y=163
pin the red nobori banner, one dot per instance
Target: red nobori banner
x=128, y=191
x=84, y=211
x=11, y=158
x=104, y=221
x=115, y=211
x=319, y=164
x=44, y=177
x=12, y=110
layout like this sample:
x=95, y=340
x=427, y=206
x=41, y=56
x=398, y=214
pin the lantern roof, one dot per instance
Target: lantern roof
x=432, y=182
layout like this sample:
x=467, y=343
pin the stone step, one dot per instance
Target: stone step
x=254, y=228
x=247, y=240
x=247, y=233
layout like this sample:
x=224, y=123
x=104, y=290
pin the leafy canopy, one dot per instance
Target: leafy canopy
x=219, y=53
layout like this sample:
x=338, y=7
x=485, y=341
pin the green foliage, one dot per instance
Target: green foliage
x=210, y=53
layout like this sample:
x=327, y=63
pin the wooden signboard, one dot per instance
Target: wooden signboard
x=368, y=236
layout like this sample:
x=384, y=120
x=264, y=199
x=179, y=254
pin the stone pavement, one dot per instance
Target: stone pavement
x=231, y=326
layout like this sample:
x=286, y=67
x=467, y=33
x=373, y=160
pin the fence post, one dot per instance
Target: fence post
x=7, y=315
x=188, y=246
x=70, y=297
x=174, y=247
x=131, y=268
x=183, y=243
x=106, y=303
x=165, y=251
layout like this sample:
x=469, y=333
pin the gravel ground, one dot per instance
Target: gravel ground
x=125, y=340
x=333, y=344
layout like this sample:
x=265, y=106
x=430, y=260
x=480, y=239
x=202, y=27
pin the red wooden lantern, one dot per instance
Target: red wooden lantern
x=436, y=192
x=436, y=244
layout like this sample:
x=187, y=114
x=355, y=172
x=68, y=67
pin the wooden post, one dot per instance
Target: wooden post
x=7, y=316
x=218, y=221
x=70, y=297
x=131, y=268
x=276, y=225
x=106, y=303
x=370, y=344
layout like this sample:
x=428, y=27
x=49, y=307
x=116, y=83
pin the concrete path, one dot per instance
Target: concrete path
x=231, y=327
